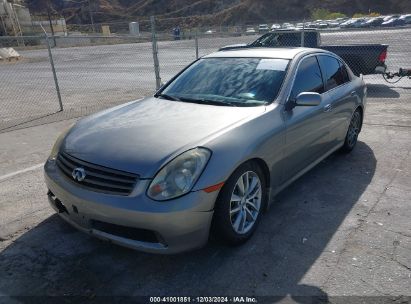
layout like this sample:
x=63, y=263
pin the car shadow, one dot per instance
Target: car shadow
x=382, y=91
x=298, y=230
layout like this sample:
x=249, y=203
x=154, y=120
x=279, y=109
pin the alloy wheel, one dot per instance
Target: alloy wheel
x=354, y=129
x=245, y=202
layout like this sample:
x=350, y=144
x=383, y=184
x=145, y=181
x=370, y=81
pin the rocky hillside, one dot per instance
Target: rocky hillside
x=211, y=12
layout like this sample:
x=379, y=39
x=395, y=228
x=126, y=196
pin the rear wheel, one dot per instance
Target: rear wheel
x=239, y=205
x=353, y=131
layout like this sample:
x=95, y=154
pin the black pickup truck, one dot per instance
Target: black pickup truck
x=361, y=58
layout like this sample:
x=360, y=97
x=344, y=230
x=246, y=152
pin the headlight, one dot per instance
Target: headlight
x=56, y=148
x=179, y=175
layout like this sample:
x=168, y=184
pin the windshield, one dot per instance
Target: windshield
x=286, y=39
x=229, y=81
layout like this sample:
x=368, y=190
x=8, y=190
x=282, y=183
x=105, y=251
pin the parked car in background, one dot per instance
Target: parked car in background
x=210, y=32
x=406, y=18
x=361, y=58
x=308, y=25
x=373, y=22
x=203, y=154
x=386, y=18
x=263, y=28
x=341, y=19
x=355, y=23
x=287, y=25
x=393, y=22
x=275, y=26
x=322, y=24
x=333, y=23
x=250, y=31
x=346, y=23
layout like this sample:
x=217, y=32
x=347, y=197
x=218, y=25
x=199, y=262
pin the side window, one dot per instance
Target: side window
x=308, y=78
x=332, y=71
x=345, y=75
x=290, y=39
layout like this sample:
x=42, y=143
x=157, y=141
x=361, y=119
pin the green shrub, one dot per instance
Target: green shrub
x=324, y=14
x=320, y=13
x=336, y=15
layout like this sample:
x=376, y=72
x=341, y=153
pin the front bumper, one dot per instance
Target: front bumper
x=133, y=221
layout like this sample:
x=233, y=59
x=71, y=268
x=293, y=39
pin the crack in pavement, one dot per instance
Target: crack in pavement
x=363, y=221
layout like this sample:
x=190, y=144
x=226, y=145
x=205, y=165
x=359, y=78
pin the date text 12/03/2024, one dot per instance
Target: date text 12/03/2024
x=236, y=299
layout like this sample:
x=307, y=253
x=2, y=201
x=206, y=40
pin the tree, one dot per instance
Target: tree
x=320, y=13
x=324, y=14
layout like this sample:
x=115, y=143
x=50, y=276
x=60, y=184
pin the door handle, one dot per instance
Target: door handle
x=328, y=108
x=353, y=93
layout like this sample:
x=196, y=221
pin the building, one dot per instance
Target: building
x=13, y=17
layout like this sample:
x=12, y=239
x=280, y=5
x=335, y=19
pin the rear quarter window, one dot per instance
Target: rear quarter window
x=345, y=75
x=332, y=71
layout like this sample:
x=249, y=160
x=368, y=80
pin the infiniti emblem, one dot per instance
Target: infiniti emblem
x=78, y=174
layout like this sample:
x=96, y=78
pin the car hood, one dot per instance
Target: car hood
x=141, y=136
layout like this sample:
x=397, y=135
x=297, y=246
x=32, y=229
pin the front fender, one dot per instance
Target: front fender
x=262, y=138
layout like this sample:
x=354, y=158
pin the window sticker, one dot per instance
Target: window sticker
x=272, y=64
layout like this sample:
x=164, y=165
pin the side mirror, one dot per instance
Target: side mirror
x=308, y=99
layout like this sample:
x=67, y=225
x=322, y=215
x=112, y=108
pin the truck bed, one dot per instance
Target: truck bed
x=361, y=58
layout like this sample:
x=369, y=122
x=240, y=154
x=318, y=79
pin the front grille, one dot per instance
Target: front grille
x=98, y=178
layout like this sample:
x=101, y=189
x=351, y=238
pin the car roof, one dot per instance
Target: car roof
x=280, y=53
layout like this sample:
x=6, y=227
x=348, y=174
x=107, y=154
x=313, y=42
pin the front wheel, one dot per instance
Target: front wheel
x=353, y=131
x=239, y=205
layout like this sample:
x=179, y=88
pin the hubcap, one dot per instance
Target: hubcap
x=354, y=129
x=245, y=202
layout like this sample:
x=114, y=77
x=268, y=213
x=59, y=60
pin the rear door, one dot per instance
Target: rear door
x=307, y=134
x=341, y=94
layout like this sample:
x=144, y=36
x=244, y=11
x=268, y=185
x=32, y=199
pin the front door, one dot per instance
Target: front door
x=307, y=133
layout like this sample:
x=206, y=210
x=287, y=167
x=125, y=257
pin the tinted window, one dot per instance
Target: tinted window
x=345, y=76
x=278, y=39
x=308, y=78
x=243, y=81
x=310, y=39
x=332, y=72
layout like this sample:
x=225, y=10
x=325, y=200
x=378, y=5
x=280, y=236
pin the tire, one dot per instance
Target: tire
x=232, y=204
x=352, y=133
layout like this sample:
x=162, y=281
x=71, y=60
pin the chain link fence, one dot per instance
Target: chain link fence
x=97, y=72
x=93, y=73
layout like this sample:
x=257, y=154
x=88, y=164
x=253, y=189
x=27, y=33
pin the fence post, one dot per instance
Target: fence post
x=155, y=52
x=196, y=42
x=54, y=72
x=302, y=35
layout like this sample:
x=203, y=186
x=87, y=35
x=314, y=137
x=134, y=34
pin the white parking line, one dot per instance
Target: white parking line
x=9, y=175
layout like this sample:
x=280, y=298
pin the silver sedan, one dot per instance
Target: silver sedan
x=206, y=152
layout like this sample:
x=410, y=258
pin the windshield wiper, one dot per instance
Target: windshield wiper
x=169, y=97
x=209, y=102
